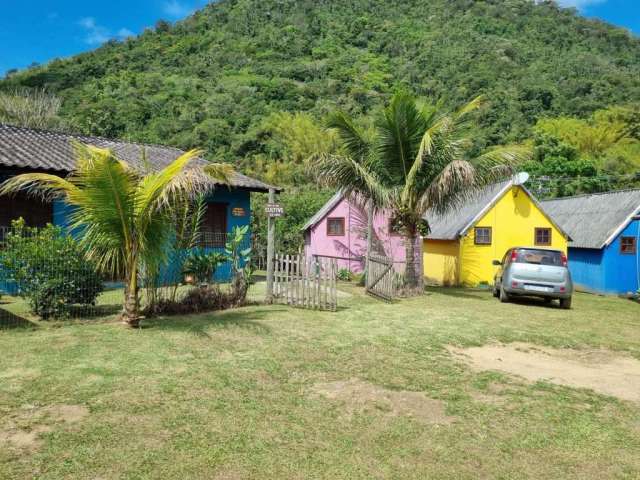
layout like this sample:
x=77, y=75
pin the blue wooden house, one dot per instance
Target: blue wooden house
x=605, y=232
x=25, y=150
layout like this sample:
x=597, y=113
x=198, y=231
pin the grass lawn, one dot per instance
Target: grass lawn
x=275, y=392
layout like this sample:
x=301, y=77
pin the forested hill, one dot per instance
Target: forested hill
x=211, y=80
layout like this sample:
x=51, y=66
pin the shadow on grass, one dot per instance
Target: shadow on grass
x=475, y=294
x=9, y=320
x=199, y=323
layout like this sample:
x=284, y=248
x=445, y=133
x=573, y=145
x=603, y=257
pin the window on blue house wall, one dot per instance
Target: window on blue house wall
x=35, y=212
x=628, y=245
x=214, y=225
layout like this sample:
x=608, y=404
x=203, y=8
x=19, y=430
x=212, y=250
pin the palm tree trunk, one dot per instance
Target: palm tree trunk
x=411, y=274
x=131, y=313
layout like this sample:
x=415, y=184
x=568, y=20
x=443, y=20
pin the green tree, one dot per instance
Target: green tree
x=123, y=216
x=415, y=160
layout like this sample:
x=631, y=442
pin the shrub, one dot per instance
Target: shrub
x=50, y=270
x=203, y=265
x=345, y=275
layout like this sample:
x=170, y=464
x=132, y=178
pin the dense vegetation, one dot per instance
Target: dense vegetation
x=211, y=80
x=251, y=81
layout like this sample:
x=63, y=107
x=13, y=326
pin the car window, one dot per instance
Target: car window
x=539, y=257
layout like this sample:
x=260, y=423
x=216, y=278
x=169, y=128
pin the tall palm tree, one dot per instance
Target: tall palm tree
x=415, y=159
x=122, y=216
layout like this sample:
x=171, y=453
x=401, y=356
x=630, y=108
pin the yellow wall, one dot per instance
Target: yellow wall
x=513, y=220
x=440, y=260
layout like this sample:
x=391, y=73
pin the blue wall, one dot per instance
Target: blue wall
x=587, y=268
x=621, y=275
x=233, y=199
x=606, y=270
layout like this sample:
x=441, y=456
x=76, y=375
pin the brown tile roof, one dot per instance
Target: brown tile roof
x=47, y=150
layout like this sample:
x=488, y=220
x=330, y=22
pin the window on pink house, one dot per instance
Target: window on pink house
x=335, y=226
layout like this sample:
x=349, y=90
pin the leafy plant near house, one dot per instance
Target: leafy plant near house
x=50, y=270
x=123, y=216
x=416, y=158
x=345, y=275
x=202, y=265
x=240, y=257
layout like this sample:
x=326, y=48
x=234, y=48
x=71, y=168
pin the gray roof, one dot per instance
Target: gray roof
x=455, y=222
x=594, y=220
x=458, y=221
x=325, y=210
x=26, y=148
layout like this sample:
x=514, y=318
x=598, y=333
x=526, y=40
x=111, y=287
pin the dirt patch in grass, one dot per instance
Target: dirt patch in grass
x=23, y=430
x=358, y=396
x=603, y=371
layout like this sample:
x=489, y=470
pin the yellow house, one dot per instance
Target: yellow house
x=463, y=243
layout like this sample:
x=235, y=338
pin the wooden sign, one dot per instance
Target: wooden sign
x=274, y=210
x=238, y=212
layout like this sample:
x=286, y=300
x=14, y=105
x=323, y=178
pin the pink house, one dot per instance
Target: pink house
x=339, y=229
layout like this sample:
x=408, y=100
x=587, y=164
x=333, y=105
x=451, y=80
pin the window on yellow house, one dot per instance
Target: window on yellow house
x=482, y=235
x=542, y=236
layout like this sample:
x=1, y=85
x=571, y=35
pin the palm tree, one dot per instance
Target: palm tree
x=121, y=215
x=415, y=159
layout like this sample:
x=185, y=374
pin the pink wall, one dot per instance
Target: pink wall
x=351, y=248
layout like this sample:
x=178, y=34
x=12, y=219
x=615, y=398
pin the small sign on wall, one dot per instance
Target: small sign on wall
x=238, y=212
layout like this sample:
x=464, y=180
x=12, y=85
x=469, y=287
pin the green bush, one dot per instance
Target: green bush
x=50, y=270
x=345, y=275
x=203, y=265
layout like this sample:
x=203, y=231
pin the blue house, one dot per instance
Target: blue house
x=24, y=150
x=605, y=232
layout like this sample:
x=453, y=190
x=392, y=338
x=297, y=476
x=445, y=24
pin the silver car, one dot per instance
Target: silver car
x=533, y=272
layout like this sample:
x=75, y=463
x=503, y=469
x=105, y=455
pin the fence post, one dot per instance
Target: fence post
x=271, y=236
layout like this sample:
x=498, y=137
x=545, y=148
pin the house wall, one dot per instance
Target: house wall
x=587, y=267
x=441, y=261
x=350, y=248
x=621, y=273
x=513, y=220
x=233, y=199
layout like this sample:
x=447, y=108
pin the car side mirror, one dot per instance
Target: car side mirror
x=497, y=263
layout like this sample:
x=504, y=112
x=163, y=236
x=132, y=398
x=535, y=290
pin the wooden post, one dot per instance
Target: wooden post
x=271, y=237
x=369, y=242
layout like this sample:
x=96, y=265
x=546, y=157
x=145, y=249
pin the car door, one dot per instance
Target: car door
x=502, y=268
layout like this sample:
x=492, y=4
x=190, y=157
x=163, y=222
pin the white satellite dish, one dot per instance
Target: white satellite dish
x=520, y=178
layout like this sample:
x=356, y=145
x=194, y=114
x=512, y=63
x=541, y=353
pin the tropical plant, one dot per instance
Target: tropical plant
x=239, y=254
x=203, y=265
x=35, y=108
x=122, y=216
x=416, y=159
x=49, y=269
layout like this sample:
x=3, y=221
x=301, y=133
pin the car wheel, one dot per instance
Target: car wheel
x=504, y=296
x=547, y=300
x=565, y=303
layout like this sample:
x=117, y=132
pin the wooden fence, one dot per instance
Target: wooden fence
x=381, y=278
x=306, y=282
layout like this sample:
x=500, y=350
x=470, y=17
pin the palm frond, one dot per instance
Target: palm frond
x=345, y=173
x=354, y=140
x=43, y=185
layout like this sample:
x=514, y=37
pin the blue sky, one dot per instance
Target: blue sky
x=40, y=30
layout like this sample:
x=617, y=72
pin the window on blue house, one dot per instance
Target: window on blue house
x=214, y=225
x=35, y=212
x=628, y=245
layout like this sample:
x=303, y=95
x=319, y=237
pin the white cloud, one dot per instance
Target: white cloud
x=98, y=34
x=124, y=33
x=580, y=4
x=177, y=9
